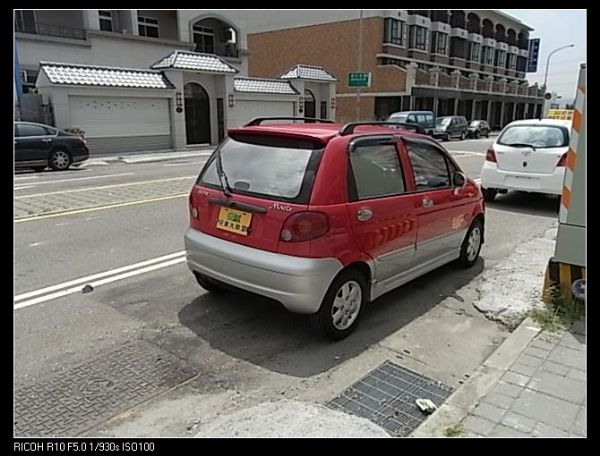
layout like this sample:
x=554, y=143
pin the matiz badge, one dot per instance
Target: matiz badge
x=282, y=207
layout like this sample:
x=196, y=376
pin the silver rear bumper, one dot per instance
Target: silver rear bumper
x=298, y=283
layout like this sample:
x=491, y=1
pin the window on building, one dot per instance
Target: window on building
x=512, y=61
x=429, y=165
x=106, y=20
x=375, y=172
x=394, y=31
x=148, y=26
x=487, y=56
x=418, y=38
x=474, y=51
x=204, y=37
x=25, y=21
x=439, y=43
x=501, y=59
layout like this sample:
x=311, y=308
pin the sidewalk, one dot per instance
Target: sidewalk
x=533, y=386
x=147, y=157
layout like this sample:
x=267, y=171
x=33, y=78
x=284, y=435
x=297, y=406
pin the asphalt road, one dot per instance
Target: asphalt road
x=238, y=346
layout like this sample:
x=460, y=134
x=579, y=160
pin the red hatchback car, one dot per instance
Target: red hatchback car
x=325, y=218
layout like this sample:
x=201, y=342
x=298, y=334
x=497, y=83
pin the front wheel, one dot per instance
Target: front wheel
x=471, y=246
x=463, y=135
x=341, y=307
x=60, y=160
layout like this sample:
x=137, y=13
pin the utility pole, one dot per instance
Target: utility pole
x=360, y=29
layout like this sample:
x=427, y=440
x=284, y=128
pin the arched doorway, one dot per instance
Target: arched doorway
x=309, y=104
x=197, y=114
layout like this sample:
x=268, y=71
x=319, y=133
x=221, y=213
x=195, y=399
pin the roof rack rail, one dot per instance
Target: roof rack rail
x=259, y=120
x=348, y=129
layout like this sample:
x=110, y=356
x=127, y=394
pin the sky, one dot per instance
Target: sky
x=557, y=28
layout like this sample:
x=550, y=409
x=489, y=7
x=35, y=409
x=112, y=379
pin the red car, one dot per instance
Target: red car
x=324, y=217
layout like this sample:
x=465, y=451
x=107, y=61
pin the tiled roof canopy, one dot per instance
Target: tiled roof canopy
x=92, y=75
x=185, y=60
x=308, y=72
x=257, y=85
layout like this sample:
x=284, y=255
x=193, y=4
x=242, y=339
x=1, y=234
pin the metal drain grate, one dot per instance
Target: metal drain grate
x=387, y=396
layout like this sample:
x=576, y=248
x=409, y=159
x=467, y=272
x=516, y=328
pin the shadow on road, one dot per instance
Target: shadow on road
x=262, y=332
x=526, y=203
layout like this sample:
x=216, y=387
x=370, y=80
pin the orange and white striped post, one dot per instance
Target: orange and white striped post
x=573, y=145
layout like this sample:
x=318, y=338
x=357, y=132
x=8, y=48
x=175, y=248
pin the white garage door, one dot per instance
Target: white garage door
x=246, y=110
x=120, y=124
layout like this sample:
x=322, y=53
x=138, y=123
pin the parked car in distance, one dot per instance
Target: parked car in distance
x=478, y=128
x=528, y=155
x=38, y=146
x=449, y=127
x=325, y=217
x=425, y=119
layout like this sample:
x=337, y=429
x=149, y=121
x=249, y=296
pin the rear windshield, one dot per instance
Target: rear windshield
x=280, y=169
x=535, y=135
x=475, y=123
x=443, y=120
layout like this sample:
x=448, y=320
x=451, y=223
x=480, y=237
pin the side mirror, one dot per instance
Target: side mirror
x=459, y=179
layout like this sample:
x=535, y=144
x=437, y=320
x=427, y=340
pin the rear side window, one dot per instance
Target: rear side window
x=535, y=135
x=32, y=130
x=375, y=172
x=274, y=168
x=429, y=166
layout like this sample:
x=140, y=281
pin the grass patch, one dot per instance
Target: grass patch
x=455, y=430
x=561, y=309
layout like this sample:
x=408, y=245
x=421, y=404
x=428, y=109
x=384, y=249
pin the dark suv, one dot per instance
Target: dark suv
x=450, y=127
x=38, y=146
x=425, y=119
x=478, y=128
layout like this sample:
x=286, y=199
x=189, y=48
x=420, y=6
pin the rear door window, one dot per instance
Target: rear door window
x=375, y=171
x=32, y=130
x=274, y=168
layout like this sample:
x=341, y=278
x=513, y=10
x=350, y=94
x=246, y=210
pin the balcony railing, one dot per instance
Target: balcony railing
x=61, y=31
x=220, y=49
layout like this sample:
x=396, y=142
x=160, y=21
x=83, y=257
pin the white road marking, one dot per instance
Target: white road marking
x=181, y=164
x=35, y=244
x=24, y=187
x=83, y=280
x=81, y=178
x=35, y=176
x=466, y=152
x=95, y=284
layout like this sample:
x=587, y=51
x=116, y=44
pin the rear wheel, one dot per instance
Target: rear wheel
x=489, y=194
x=471, y=246
x=341, y=307
x=60, y=160
x=210, y=285
x=463, y=135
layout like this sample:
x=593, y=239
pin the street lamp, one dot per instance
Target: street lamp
x=546, y=73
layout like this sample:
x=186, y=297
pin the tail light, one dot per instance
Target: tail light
x=490, y=155
x=83, y=141
x=304, y=226
x=193, y=209
x=563, y=160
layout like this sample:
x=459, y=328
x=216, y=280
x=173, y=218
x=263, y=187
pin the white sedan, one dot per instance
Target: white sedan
x=529, y=155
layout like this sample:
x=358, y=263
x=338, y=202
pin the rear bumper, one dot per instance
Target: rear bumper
x=492, y=177
x=298, y=283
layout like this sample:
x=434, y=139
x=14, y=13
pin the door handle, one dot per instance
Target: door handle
x=46, y=139
x=427, y=202
x=364, y=214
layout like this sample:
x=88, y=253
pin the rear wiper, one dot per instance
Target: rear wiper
x=521, y=145
x=222, y=176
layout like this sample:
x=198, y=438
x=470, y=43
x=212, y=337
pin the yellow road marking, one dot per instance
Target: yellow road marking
x=103, y=186
x=97, y=208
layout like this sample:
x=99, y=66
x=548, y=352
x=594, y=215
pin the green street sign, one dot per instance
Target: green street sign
x=359, y=79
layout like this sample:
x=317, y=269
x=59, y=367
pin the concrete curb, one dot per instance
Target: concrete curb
x=469, y=394
x=146, y=158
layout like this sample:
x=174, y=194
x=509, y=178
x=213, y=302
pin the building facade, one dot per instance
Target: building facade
x=154, y=79
x=453, y=62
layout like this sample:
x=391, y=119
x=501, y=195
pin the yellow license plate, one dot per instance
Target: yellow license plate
x=234, y=221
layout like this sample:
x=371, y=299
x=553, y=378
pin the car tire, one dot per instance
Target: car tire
x=348, y=294
x=463, y=135
x=489, y=194
x=477, y=135
x=471, y=246
x=448, y=137
x=60, y=160
x=38, y=169
x=210, y=285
